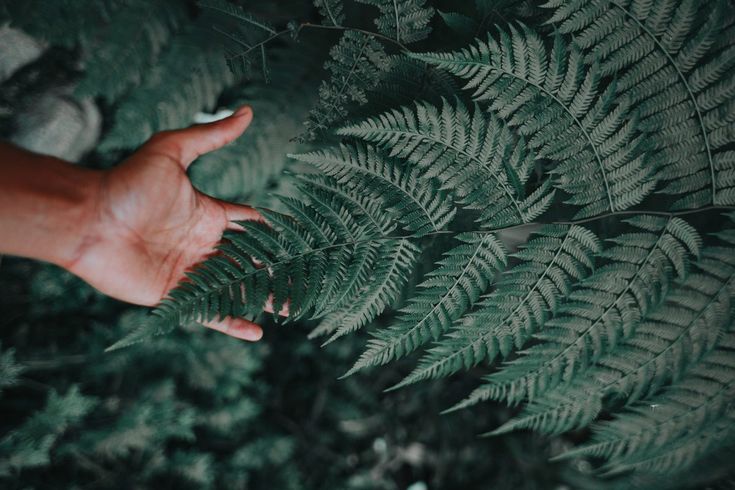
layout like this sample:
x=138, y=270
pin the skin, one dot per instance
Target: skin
x=131, y=231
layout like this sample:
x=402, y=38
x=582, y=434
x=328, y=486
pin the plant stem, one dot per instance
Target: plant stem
x=308, y=25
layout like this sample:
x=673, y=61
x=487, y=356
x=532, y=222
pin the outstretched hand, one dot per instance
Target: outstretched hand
x=150, y=225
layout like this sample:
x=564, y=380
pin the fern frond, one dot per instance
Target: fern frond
x=687, y=406
x=472, y=154
x=408, y=80
x=357, y=62
x=672, y=339
x=674, y=61
x=406, y=21
x=601, y=311
x=414, y=199
x=674, y=427
x=450, y=290
x=685, y=453
x=555, y=102
x=234, y=11
x=523, y=299
x=398, y=258
x=363, y=208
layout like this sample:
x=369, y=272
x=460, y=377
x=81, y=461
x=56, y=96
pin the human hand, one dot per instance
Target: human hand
x=149, y=225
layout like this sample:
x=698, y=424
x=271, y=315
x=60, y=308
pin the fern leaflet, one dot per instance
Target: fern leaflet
x=605, y=308
x=446, y=294
x=522, y=300
x=555, y=102
x=474, y=155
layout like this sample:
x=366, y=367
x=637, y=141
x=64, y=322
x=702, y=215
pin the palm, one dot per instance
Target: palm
x=149, y=204
x=155, y=225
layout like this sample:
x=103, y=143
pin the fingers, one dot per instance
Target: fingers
x=185, y=145
x=237, y=327
x=269, y=306
x=239, y=212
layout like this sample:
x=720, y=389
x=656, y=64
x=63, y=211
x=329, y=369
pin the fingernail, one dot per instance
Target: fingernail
x=253, y=334
x=242, y=111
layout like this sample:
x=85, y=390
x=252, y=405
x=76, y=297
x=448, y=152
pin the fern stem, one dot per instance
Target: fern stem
x=398, y=21
x=582, y=221
x=243, y=18
x=376, y=35
x=700, y=119
x=330, y=14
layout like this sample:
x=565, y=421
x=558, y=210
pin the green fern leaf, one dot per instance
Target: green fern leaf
x=555, y=102
x=674, y=337
x=243, y=35
x=523, y=299
x=603, y=310
x=368, y=211
x=385, y=285
x=673, y=61
x=415, y=200
x=331, y=10
x=475, y=156
x=449, y=291
x=687, y=406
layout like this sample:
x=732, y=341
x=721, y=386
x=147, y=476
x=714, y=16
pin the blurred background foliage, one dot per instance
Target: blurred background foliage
x=89, y=82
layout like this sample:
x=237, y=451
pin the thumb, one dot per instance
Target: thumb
x=185, y=145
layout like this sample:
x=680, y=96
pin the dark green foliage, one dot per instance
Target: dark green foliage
x=187, y=79
x=331, y=10
x=415, y=198
x=29, y=445
x=556, y=102
x=359, y=61
x=474, y=155
x=553, y=120
x=447, y=293
x=602, y=310
x=674, y=62
x=356, y=65
x=558, y=221
x=118, y=60
x=521, y=302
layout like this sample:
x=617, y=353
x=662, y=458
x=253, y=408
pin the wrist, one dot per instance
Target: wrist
x=81, y=212
x=47, y=206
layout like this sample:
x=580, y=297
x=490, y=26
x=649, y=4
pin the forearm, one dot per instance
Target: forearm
x=46, y=206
